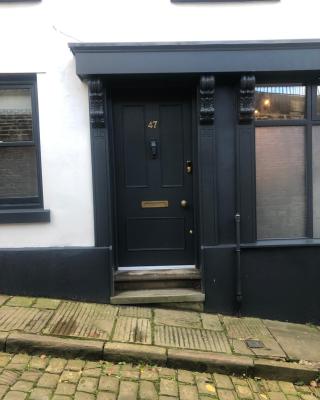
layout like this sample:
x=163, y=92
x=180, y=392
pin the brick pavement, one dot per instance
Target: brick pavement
x=44, y=378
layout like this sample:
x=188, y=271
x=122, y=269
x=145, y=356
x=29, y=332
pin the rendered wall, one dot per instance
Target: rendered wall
x=34, y=38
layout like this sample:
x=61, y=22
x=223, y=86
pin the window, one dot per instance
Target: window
x=20, y=174
x=287, y=141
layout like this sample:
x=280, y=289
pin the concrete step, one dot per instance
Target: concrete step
x=157, y=279
x=158, y=296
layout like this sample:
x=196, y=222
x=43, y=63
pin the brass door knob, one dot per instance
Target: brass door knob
x=184, y=203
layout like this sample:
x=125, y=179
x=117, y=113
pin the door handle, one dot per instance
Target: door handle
x=153, y=148
x=184, y=203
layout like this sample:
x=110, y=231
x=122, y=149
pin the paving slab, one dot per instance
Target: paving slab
x=186, y=319
x=300, y=342
x=132, y=330
x=19, y=301
x=187, y=338
x=30, y=320
x=83, y=320
x=245, y=328
x=134, y=311
x=212, y=322
x=49, y=304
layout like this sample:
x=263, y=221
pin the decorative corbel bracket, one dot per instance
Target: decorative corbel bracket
x=207, y=86
x=246, y=98
x=96, y=104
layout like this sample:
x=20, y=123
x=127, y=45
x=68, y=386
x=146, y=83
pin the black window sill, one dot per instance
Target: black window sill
x=24, y=216
x=282, y=243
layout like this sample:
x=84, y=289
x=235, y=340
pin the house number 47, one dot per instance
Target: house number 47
x=152, y=124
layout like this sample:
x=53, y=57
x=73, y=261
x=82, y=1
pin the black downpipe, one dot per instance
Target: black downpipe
x=238, y=261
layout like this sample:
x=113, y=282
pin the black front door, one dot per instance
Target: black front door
x=154, y=167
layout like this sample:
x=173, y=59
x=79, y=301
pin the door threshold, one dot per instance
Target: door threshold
x=155, y=267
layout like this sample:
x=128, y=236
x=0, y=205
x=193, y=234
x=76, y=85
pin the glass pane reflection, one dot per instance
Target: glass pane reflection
x=15, y=115
x=280, y=102
x=318, y=100
x=18, y=172
x=280, y=182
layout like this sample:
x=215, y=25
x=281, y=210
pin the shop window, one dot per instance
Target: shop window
x=20, y=173
x=287, y=143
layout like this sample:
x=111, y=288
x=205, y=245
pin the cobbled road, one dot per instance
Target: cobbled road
x=41, y=378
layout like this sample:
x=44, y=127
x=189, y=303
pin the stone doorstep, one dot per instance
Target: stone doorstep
x=15, y=342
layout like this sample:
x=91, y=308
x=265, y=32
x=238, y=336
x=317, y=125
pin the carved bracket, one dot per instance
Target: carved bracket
x=246, y=100
x=207, y=85
x=96, y=104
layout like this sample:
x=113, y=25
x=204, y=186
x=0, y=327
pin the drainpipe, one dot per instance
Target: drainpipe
x=238, y=261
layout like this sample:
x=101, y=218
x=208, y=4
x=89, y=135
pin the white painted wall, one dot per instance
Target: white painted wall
x=34, y=38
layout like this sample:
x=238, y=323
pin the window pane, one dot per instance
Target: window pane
x=316, y=180
x=15, y=115
x=280, y=102
x=18, y=172
x=318, y=100
x=280, y=182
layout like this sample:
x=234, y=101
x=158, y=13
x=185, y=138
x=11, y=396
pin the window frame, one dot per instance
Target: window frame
x=25, y=209
x=310, y=120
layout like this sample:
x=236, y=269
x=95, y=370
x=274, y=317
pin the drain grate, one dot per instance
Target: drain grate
x=254, y=344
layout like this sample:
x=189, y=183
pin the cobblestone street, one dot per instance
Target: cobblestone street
x=40, y=378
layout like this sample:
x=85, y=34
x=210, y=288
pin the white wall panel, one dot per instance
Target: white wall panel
x=34, y=38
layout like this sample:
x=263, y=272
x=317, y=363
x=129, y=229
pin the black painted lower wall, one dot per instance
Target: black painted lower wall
x=278, y=283
x=64, y=273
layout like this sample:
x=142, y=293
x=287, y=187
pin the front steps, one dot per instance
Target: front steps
x=156, y=296
x=157, y=279
x=169, y=288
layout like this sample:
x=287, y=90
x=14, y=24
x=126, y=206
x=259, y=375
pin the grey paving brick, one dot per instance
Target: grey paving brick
x=38, y=362
x=40, y=394
x=244, y=392
x=75, y=365
x=223, y=381
x=276, y=396
x=188, y=392
x=13, y=395
x=185, y=376
x=48, y=380
x=67, y=389
x=70, y=376
x=224, y=394
x=206, y=388
x=149, y=373
x=168, y=387
x=147, y=391
x=87, y=384
x=84, y=396
x=106, y=396
x=109, y=384
x=56, y=365
x=23, y=386
x=31, y=376
x=128, y=390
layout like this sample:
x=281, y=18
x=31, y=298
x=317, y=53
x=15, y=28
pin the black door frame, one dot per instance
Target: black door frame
x=100, y=102
x=138, y=83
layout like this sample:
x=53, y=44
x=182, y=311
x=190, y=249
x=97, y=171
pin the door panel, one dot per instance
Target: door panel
x=153, y=142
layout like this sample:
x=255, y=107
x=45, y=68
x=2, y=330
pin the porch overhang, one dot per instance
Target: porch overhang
x=196, y=57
